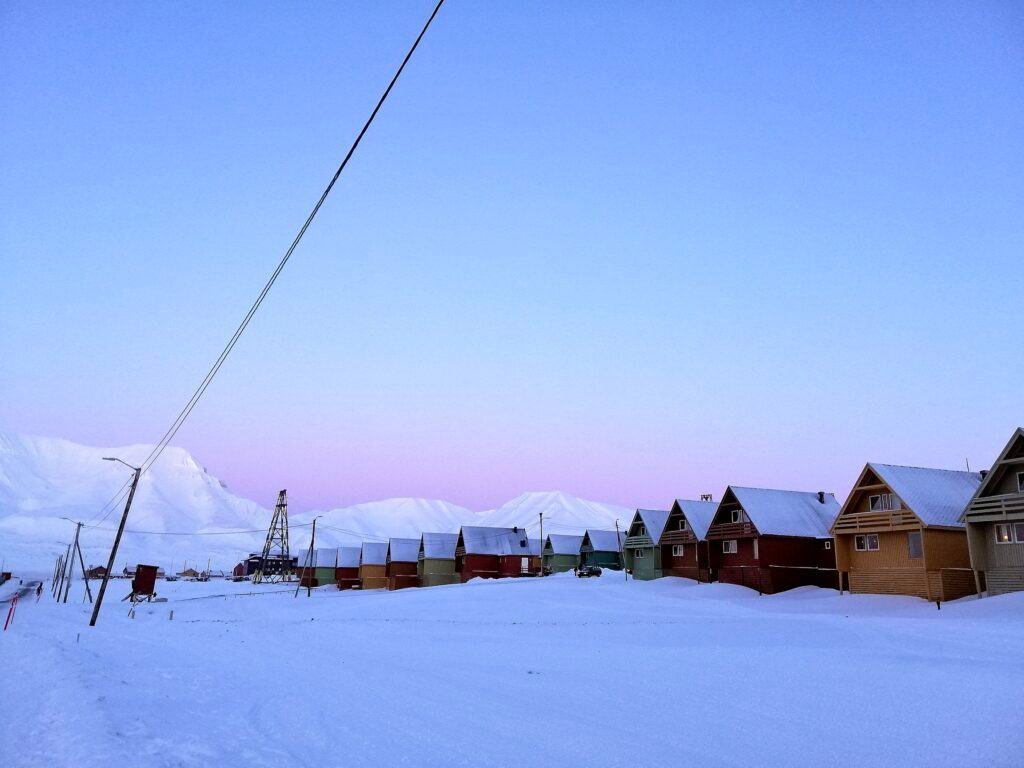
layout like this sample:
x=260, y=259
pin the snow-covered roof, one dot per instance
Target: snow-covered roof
x=699, y=514
x=787, y=513
x=606, y=541
x=374, y=553
x=936, y=496
x=654, y=521
x=479, y=540
x=440, y=546
x=348, y=557
x=403, y=550
x=322, y=558
x=563, y=544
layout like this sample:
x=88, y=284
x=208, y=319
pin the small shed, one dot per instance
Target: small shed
x=641, y=552
x=96, y=572
x=899, y=532
x=346, y=574
x=773, y=540
x=436, y=559
x=602, y=548
x=403, y=555
x=995, y=522
x=684, y=545
x=561, y=552
x=373, y=565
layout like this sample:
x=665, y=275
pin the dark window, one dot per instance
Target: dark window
x=914, y=544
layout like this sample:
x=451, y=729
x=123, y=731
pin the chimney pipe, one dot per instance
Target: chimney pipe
x=983, y=473
x=821, y=497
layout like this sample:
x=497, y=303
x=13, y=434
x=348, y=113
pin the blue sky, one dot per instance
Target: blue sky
x=630, y=251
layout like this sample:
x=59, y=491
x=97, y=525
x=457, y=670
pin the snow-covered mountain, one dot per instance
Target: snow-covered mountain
x=44, y=479
x=562, y=513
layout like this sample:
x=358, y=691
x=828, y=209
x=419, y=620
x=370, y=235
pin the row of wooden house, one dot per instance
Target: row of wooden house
x=933, y=533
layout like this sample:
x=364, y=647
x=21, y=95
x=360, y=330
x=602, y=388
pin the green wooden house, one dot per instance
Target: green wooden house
x=602, y=548
x=436, y=564
x=641, y=551
x=561, y=552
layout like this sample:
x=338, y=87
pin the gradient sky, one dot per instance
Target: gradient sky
x=629, y=251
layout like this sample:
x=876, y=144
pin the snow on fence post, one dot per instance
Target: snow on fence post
x=10, y=611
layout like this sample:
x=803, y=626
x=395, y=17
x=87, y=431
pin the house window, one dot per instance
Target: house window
x=1020, y=482
x=883, y=502
x=915, y=545
x=1018, y=532
x=729, y=547
x=638, y=553
x=643, y=531
x=736, y=516
x=755, y=549
x=677, y=550
x=1004, y=533
x=865, y=542
x=682, y=524
x=828, y=545
x=524, y=565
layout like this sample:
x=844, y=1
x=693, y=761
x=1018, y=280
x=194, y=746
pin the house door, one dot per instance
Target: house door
x=524, y=565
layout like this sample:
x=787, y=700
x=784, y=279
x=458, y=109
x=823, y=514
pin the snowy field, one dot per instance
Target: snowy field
x=518, y=673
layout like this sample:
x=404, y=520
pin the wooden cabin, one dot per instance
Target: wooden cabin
x=995, y=522
x=346, y=572
x=899, y=533
x=436, y=559
x=522, y=556
x=772, y=540
x=561, y=552
x=403, y=555
x=373, y=565
x=602, y=548
x=684, y=545
x=489, y=553
x=641, y=553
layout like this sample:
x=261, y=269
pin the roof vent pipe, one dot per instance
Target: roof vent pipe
x=983, y=473
x=821, y=497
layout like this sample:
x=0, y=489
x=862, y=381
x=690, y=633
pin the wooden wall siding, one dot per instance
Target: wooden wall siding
x=647, y=567
x=951, y=584
x=945, y=549
x=560, y=563
x=1000, y=555
x=1007, y=484
x=890, y=581
x=512, y=565
x=346, y=578
x=373, y=576
x=434, y=572
x=692, y=565
x=731, y=530
x=744, y=554
x=602, y=559
x=677, y=537
x=750, y=577
x=893, y=552
x=402, y=575
x=1003, y=580
x=477, y=566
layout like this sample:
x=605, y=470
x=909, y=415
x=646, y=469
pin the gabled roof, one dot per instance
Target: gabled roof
x=374, y=553
x=1015, y=446
x=563, y=544
x=654, y=521
x=403, y=550
x=699, y=514
x=787, y=513
x=606, y=541
x=480, y=540
x=936, y=496
x=439, y=546
x=348, y=557
x=322, y=558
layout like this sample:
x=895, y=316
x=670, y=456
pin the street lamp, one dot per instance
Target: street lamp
x=117, y=538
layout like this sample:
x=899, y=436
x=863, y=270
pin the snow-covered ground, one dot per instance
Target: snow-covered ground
x=559, y=671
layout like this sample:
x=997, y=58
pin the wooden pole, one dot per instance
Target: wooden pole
x=113, y=549
x=71, y=563
x=63, y=573
x=541, y=543
x=622, y=555
x=85, y=574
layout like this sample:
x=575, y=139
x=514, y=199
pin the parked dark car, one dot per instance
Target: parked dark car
x=586, y=571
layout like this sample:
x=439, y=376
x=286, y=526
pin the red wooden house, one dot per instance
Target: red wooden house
x=683, y=542
x=403, y=556
x=772, y=540
x=489, y=553
x=346, y=573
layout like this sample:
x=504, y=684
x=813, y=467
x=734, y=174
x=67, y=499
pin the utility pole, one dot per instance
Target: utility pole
x=85, y=573
x=309, y=566
x=117, y=541
x=71, y=567
x=56, y=575
x=622, y=557
x=541, y=543
x=63, y=574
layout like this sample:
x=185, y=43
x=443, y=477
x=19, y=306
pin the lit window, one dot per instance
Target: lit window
x=915, y=545
x=1004, y=533
x=677, y=550
x=729, y=547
